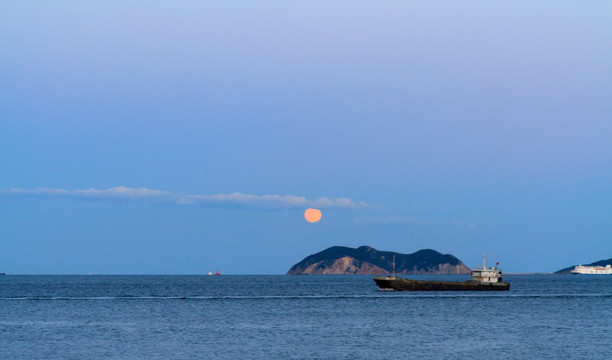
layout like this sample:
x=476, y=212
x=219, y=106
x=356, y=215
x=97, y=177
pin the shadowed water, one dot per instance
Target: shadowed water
x=257, y=317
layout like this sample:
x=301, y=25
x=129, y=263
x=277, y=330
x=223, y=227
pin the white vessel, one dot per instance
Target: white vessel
x=599, y=270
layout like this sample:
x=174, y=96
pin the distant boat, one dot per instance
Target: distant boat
x=217, y=273
x=483, y=279
x=592, y=270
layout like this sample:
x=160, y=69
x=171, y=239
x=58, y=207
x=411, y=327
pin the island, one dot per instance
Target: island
x=366, y=260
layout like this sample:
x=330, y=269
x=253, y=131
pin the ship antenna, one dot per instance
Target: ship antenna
x=484, y=266
x=394, y=266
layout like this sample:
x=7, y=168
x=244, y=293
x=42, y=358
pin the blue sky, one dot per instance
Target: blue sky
x=144, y=137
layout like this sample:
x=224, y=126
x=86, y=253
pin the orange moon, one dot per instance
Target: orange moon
x=312, y=215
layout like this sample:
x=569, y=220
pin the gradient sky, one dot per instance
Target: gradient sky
x=182, y=137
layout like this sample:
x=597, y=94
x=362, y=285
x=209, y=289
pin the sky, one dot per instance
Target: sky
x=185, y=137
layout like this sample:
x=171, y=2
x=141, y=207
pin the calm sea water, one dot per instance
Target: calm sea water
x=300, y=317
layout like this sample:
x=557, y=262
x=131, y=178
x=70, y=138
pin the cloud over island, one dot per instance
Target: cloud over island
x=124, y=194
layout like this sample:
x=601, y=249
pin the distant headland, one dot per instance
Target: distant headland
x=369, y=261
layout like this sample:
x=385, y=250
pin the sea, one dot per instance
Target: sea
x=300, y=317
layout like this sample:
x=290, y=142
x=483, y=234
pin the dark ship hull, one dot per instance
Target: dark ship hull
x=401, y=284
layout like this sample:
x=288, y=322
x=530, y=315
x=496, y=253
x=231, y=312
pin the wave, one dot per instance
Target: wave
x=379, y=295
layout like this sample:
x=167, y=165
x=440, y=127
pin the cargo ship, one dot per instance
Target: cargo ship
x=483, y=279
x=595, y=270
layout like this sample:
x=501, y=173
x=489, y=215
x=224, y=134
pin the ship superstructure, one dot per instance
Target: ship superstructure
x=486, y=275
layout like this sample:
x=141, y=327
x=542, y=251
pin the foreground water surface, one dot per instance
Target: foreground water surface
x=300, y=317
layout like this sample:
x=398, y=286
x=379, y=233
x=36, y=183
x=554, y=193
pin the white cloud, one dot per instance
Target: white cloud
x=115, y=193
x=388, y=220
x=266, y=201
x=122, y=193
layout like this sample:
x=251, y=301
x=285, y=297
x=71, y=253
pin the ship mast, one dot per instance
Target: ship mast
x=484, y=266
x=394, y=266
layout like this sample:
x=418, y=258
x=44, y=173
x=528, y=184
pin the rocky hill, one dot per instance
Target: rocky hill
x=596, y=263
x=367, y=260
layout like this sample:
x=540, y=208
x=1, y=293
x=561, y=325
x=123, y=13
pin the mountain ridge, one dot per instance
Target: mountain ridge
x=366, y=260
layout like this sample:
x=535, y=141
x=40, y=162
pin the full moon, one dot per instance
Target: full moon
x=312, y=215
